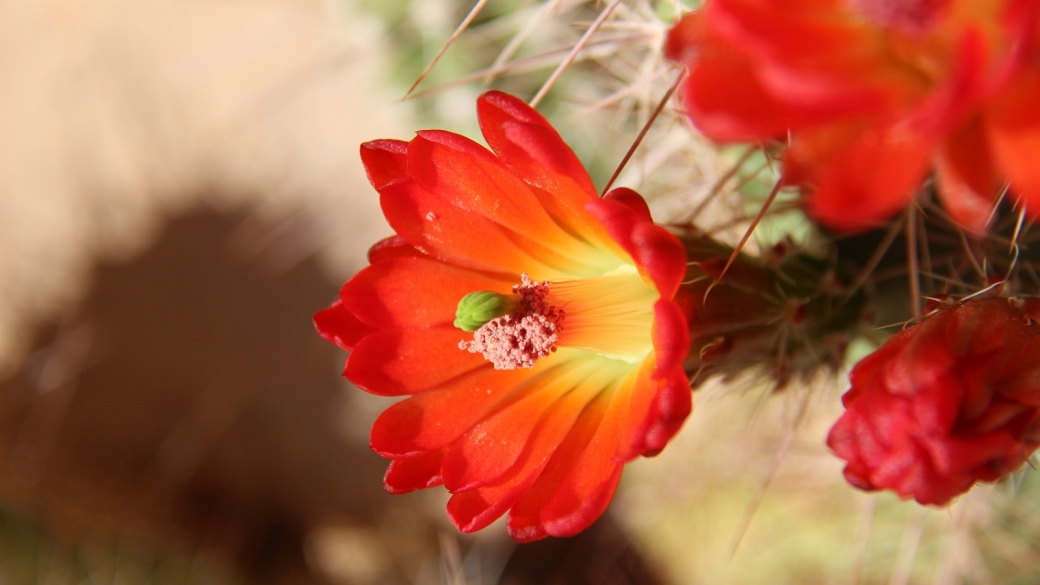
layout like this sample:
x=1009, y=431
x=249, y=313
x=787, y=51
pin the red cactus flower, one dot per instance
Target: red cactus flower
x=566, y=362
x=945, y=403
x=872, y=95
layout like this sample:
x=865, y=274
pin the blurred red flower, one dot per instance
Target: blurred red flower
x=945, y=403
x=537, y=411
x=873, y=94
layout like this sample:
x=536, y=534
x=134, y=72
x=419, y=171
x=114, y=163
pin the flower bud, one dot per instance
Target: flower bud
x=950, y=401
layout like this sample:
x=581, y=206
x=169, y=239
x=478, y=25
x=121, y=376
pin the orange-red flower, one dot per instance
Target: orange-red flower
x=537, y=411
x=872, y=95
x=948, y=402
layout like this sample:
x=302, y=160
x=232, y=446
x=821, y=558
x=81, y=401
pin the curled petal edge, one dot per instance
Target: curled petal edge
x=657, y=252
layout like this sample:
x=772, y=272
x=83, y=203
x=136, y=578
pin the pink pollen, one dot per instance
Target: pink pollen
x=523, y=337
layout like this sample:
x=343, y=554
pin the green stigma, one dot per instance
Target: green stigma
x=476, y=309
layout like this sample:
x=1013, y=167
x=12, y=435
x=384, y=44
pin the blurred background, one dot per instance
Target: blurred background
x=180, y=191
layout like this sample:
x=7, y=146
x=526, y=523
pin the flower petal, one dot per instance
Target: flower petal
x=848, y=192
x=724, y=98
x=658, y=253
x=1014, y=135
x=414, y=473
x=473, y=510
x=966, y=178
x=577, y=484
x=391, y=247
x=385, y=161
x=811, y=54
x=338, y=325
x=396, y=362
x=752, y=77
x=452, y=234
x=434, y=418
x=671, y=337
x=413, y=292
x=465, y=174
x=491, y=447
x=526, y=141
x=672, y=404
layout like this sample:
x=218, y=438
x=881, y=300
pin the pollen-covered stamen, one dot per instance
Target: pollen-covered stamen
x=524, y=336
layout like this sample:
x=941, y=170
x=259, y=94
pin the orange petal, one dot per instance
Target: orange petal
x=641, y=391
x=465, y=174
x=434, y=418
x=390, y=248
x=726, y=101
x=529, y=145
x=491, y=447
x=578, y=482
x=413, y=292
x=656, y=411
x=395, y=362
x=414, y=473
x=460, y=237
x=672, y=404
x=752, y=77
x=473, y=510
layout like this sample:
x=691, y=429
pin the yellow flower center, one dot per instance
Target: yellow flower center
x=611, y=315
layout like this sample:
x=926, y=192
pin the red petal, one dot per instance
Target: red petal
x=465, y=174
x=634, y=203
x=391, y=247
x=732, y=96
x=434, y=418
x=726, y=101
x=663, y=255
x=670, y=408
x=452, y=234
x=473, y=510
x=530, y=146
x=526, y=141
x=850, y=194
x=338, y=325
x=385, y=161
x=966, y=179
x=811, y=54
x=1014, y=134
x=577, y=484
x=395, y=362
x=413, y=292
x=671, y=337
x=414, y=473
x=491, y=447
x=659, y=254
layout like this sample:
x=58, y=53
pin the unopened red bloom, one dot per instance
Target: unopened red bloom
x=874, y=94
x=570, y=363
x=945, y=403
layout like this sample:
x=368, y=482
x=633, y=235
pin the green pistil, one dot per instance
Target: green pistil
x=476, y=309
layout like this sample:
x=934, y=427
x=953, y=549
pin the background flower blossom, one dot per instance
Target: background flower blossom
x=872, y=96
x=546, y=437
x=948, y=402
